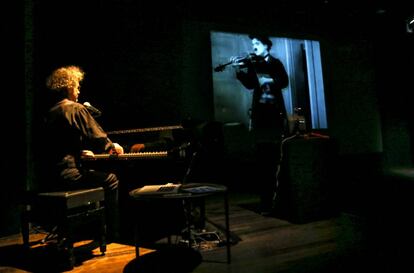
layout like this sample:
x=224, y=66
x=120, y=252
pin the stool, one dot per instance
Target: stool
x=64, y=211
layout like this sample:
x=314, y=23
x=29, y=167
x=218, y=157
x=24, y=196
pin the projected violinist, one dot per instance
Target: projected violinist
x=265, y=76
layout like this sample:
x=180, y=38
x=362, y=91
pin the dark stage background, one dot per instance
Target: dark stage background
x=148, y=67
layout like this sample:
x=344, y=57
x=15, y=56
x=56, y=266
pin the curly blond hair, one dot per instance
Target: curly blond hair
x=65, y=78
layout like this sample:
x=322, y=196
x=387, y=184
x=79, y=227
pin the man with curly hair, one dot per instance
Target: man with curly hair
x=72, y=132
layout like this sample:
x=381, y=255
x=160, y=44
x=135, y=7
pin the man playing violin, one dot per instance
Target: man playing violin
x=265, y=76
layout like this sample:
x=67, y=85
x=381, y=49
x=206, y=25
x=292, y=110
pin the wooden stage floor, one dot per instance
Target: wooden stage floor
x=340, y=243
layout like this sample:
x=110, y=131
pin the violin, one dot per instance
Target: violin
x=241, y=62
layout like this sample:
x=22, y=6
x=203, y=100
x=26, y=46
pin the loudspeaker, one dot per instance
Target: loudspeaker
x=305, y=184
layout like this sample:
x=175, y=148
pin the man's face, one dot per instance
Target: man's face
x=74, y=92
x=259, y=48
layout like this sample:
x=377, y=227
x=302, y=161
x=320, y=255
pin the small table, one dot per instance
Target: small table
x=187, y=193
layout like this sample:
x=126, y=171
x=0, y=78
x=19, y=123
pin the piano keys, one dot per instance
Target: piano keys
x=138, y=169
x=128, y=156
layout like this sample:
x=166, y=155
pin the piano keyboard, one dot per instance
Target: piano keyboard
x=128, y=156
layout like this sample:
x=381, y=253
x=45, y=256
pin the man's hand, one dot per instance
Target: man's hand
x=137, y=147
x=87, y=154
x=237, y=61
x=118, y=149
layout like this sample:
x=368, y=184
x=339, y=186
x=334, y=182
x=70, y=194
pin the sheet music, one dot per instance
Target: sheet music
x=157, y=189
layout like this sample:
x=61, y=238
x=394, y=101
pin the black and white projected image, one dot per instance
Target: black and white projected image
x=302, y=61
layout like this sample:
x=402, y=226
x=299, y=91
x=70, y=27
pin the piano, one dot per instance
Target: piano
x=168, y=158
x=144, y=130
x=164, y=138
x=164, y=159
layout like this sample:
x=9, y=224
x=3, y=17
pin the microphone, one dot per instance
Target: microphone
x=94, y=111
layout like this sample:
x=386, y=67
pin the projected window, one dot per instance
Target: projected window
x=302, y=61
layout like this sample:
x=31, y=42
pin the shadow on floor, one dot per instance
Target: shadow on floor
x=44, y=258
x=166, y=259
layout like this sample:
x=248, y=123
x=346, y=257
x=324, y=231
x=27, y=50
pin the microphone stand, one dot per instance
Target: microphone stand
x=190, y=166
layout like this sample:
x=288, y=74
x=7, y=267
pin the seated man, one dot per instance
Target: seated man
x=71, y=132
